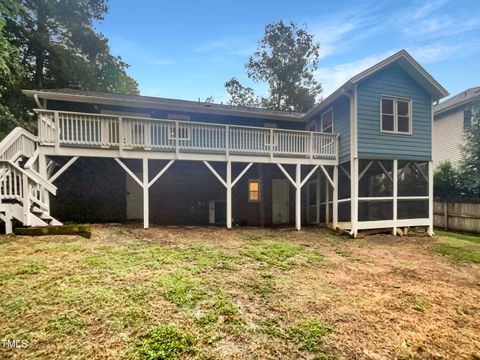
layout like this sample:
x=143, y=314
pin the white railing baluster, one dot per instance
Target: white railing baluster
x=98, y=130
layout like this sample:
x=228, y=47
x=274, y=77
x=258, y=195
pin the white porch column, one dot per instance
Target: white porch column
x=327, y=202
x=430, y=198
x=318, y=199
x=354, y=196
x=145, y=187
x=335, y=198
x=229, y=194
x=395, y=195
x=42, y=170
x=298, y=199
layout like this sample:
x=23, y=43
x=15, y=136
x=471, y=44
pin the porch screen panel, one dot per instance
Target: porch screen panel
x=412, y=209
x=412, y=178
x=374, y=210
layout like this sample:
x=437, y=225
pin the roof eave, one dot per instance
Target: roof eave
x=145, y=104
x=438, y=90
x=453, y=106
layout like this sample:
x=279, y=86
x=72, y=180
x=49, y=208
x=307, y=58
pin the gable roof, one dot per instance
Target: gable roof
x=460, y=99
x=406, y=62
x=151, y=102
x=402, y=58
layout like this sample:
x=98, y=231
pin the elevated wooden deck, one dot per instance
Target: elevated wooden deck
x=98, y=135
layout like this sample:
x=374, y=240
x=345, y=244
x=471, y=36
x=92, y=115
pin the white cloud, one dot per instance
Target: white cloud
x=334, y=76
x=331, y=77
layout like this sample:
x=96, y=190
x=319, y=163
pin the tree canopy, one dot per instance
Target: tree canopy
x=470, y=165
x=463, y=180
x=286, y=59
x=51, y=44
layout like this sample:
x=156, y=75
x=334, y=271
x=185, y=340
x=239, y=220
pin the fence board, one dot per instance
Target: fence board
x=459, y=216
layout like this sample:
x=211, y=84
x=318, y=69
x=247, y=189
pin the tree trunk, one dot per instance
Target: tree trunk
x=39, y=50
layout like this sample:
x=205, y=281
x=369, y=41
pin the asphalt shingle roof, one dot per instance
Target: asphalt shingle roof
x=460, y=98
x=169, y=101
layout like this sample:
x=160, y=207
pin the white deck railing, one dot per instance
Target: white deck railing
x=61, y=128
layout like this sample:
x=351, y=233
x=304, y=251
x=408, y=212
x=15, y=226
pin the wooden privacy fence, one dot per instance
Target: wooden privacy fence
x=457, y=215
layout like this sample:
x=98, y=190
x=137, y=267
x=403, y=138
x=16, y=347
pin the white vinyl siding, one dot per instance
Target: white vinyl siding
x=448, y=137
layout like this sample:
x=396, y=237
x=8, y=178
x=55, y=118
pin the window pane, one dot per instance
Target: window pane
x=387, y=122
x=387, y=106
x=403, y=124
x=253, y=186
x=253, y=196
x=328, y=129
x=402, y=108
x=327, y=121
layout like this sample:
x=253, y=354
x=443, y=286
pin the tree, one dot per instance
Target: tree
x=470, y=165
x=286, y=59
x=446, y=181
x=56, y=44
x=241, y=95
x=10, y=68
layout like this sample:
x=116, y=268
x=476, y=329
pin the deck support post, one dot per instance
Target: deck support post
x=43, y=171
x=7, y=219
x=228, y=184
x=229, y=195
x=395, y=196
x=318, y=198
x=354, y=196
x=327, y=203
x=298, y=195
x=145, y=186
x=430, y=198
x=298, y=184
x=335, y=198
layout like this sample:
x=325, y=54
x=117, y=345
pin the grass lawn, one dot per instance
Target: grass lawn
x=208, y=293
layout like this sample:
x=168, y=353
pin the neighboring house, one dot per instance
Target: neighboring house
x=451, y=117
x=360, y=159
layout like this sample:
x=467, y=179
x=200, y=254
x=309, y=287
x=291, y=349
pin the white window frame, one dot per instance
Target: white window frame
x=333, y=120
x=259, y=190
x=395, y=100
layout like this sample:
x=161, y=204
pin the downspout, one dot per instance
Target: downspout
x=353, y=160
x=37, y=101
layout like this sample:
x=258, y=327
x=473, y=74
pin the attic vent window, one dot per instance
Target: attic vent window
x=396, y=115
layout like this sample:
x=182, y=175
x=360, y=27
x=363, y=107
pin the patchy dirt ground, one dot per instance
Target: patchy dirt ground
x=209, y=293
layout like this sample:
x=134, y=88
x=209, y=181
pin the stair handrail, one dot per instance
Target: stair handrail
x=10, y=140
x=33, y=176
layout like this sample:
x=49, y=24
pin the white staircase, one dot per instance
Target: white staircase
x=24, y=193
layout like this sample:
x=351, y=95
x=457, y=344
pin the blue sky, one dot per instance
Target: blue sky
x=187, y=50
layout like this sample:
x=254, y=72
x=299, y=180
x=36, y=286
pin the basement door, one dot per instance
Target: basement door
x=280, y=202
x=134, y=198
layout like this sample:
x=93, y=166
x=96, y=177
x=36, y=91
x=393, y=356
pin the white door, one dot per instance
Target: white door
x=280, y=201
x=134, y=198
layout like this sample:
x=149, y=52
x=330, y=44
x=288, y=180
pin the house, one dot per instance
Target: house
x=451, y=117
x=360, y=159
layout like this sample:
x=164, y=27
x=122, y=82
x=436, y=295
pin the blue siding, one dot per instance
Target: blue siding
x=372, y=143
x=341, y=125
